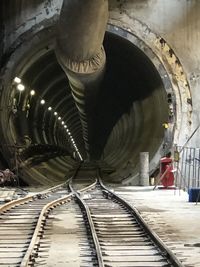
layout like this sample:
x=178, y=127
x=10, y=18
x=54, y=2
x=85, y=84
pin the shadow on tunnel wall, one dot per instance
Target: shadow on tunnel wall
x=130, y=76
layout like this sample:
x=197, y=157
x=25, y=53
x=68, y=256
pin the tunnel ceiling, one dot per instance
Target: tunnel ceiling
x=126, y=116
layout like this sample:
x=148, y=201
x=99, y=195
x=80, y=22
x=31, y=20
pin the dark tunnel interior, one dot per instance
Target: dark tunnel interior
x=127, y=114
x=129, y=77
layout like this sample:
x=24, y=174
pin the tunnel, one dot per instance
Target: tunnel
x=99, y=132
x=42, y=137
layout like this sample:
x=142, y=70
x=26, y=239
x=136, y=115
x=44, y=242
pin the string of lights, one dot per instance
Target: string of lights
x=20, y=87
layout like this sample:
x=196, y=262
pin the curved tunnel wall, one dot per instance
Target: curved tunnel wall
x=139, y=105
x=123, y=125
x=130, y=110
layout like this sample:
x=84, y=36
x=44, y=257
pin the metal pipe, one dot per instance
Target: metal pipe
x=80, y=52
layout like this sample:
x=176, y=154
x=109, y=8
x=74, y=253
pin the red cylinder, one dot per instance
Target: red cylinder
x=167, y=168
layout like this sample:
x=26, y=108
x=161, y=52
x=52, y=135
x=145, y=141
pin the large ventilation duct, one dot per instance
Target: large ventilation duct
x=80, y=52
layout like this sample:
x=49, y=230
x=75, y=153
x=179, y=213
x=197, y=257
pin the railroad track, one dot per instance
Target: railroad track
x=21, y=223
x=24, y=226
x=108, y=233
x=120, y=236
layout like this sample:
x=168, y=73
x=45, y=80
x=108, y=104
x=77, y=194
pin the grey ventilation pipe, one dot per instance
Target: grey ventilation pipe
x=80, y=52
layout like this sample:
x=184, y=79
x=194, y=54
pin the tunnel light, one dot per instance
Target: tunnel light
x=42, y=102
x=63, y=122
x=59, y=118
x=68, y=131
x=80, y=156
x=55, y=113
x=65, y=126
x=32, y=92
x=17, y=80
x=20, y=87
x=49, y=108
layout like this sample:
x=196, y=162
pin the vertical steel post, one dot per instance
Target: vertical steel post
x=198, y=165
x=144, y=168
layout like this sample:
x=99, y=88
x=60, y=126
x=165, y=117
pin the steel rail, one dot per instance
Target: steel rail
x=166, y=252
x=87, y=187
x=34, y=244
x=21, y=201
x=26, y=199
x=90, y=221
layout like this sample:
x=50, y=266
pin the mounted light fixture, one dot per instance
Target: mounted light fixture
x=17, y=80
x=80, y=156
x=20, y=87
x=32, y=92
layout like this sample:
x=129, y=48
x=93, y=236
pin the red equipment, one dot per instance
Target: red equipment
x=167, y=171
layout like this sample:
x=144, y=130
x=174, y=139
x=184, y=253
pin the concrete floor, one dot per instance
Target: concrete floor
x=171, y=216
x=64, y=244
x=167, y=212
x=65, y=239
x=7, y=194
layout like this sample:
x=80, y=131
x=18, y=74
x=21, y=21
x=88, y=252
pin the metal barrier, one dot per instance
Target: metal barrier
x=188, y=168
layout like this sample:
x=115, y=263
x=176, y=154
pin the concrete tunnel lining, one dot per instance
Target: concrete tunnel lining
x=126, y=121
